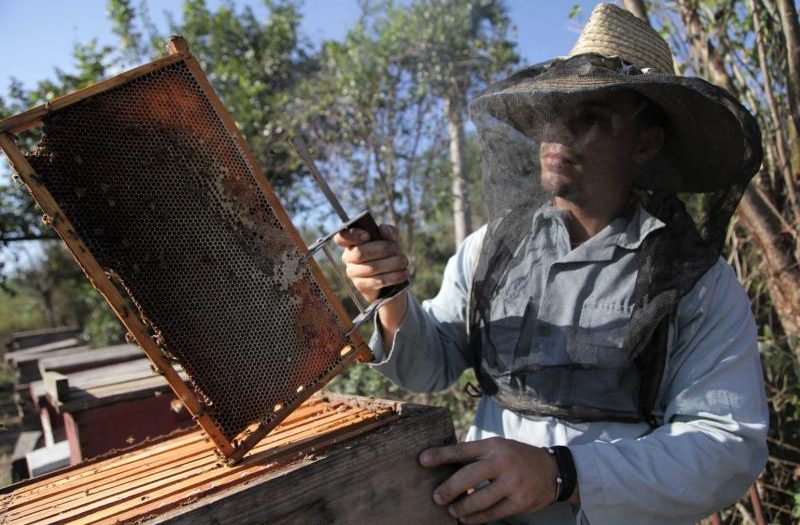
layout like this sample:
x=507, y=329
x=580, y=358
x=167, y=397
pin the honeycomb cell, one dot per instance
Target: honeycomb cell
x=163, y=197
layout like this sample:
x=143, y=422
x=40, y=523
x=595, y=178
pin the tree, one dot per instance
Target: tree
x=460, y=46
x=371, y=117
x=750, y=48
x=253, y=64
x=20, y=220
x=382, y=132
x=391, y=96
x=770, y=205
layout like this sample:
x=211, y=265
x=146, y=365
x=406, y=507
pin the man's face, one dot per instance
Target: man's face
x=588, y=148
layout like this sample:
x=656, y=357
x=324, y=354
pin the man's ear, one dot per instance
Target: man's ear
x=651, y=141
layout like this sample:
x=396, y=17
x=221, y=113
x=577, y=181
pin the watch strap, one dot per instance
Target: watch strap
x=567, y=478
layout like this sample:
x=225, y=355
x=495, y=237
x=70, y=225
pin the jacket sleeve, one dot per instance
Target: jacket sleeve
x=429, y=351
x=712, y=444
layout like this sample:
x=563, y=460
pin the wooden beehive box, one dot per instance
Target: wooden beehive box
x=25, y=365
x=26, y=362
x=335, y=460
x=23, y=340
x=58, y=370
x=109, y=407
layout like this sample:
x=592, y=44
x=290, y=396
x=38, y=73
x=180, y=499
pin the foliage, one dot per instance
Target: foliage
x=461, y=46
x=19, y=310
x=100, y=326
x=364, y=381
x=372, y=118
x=380, y=114
x=742, y=45
x=254, y=65
x=19, y=218
x=464, y=45
x=53, y=280
x=58, y=294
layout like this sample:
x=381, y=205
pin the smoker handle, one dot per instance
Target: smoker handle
x=365, y=221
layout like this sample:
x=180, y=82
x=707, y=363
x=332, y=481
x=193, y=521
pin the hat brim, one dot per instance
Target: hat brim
x=713, y=141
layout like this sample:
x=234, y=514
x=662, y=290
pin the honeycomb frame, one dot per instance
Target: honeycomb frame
x=124, y=268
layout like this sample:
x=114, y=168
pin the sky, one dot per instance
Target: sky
x=37, y=36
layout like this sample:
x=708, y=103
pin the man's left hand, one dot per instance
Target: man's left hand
x=521, y=479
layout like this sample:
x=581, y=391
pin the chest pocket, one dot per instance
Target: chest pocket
x=599, y=338
x=505, y=335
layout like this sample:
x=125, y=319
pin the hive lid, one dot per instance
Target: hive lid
x=147, y=179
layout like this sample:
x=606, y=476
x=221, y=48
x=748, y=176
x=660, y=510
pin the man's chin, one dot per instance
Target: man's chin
x=561, y=188
x=569, y=195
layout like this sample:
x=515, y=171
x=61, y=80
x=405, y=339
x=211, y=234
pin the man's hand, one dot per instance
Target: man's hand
x=373, y=264
x=522, y=479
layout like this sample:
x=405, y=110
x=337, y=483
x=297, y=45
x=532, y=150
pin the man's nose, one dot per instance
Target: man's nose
x=552, y=128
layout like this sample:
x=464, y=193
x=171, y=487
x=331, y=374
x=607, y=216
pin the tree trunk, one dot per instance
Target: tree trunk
x=636, y=7
x=461, y=213
x=783, y=277
x=784, y=164
x=47, y=306
x=791, y=31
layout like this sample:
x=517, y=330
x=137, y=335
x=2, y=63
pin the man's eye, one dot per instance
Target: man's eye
x=591, y=117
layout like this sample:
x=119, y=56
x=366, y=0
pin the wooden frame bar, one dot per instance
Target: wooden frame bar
x=178, y=51
x=33, y=117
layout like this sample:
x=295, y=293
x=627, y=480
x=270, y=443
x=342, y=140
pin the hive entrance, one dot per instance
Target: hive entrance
x=152, y=184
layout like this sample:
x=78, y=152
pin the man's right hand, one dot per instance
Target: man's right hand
x=375, y=264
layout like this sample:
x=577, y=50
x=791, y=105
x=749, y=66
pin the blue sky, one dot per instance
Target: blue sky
x=38, y=35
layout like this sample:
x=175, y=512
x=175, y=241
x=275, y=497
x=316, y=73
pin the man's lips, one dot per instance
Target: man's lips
x=557, y=159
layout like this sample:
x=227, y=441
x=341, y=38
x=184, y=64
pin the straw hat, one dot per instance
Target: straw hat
x=712, y=140
x=612, y=31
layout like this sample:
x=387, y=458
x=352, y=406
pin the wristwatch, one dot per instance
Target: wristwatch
x=567, y=478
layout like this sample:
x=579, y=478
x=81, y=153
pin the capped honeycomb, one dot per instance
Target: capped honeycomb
x=162, y=195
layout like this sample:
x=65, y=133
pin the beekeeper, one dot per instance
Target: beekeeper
x=615, y=350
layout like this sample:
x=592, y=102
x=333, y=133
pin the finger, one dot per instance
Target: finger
x=502, y=509
x=458, y=453
x=351, y=237
x=375, y=283
x=370, y=251
x=389, y=232
x=396, y=263
x=467, y=477
x=479, y=500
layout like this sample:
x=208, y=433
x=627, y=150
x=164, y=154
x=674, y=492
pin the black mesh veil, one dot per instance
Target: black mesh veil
x=712, y=148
